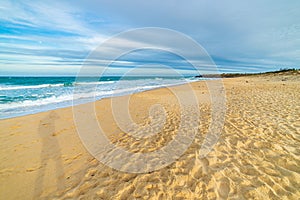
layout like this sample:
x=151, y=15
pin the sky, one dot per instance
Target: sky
x=57, y=37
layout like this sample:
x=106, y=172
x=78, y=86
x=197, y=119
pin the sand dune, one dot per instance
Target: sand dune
x=257, y=155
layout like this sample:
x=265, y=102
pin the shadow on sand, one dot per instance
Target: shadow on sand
x=50, y=151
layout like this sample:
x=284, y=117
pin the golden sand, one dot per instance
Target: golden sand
x=257, y=155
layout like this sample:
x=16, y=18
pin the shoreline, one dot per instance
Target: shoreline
x=206, y=77
x=70, y=106
x=42, y=155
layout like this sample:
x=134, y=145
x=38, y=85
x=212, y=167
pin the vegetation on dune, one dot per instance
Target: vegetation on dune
x=232, y=75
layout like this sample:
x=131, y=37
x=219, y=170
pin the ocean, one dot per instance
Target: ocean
x=27, y=95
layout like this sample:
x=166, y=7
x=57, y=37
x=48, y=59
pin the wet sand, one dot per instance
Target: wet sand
x=257, y=155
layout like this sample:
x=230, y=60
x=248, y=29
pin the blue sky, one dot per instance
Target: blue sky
x=54, y=38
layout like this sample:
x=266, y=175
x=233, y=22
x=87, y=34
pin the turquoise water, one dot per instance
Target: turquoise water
x=27, y=95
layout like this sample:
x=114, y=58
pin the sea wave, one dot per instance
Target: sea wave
x=19, y=100
x=94, y=83
x=73, y=97
x=67, y=84
x=21, y=87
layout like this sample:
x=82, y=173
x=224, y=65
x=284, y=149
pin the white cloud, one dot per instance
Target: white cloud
x=54, y=15
x=257, y=33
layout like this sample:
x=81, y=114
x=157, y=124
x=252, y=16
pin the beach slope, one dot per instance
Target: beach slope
x=256, y=157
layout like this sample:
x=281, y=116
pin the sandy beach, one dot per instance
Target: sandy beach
x=257, y=155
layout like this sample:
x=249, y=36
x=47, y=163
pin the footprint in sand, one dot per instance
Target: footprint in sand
x=196, y=172
x=223, y=188
x=204, y=163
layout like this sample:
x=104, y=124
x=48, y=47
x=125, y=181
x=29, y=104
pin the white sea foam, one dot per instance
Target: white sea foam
x=20, y=87
x=95, y=83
